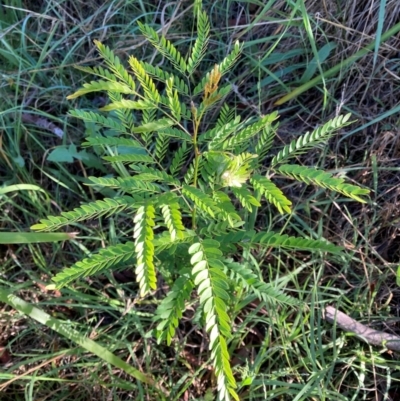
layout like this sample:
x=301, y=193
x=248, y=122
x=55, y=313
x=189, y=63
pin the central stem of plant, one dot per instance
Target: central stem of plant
x=196, y=158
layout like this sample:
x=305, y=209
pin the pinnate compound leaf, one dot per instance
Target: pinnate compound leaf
x=272, y=193
x=106, y=259
x=112, y=141
x=144, y=248
x=105, y=207
x=173, y=219
x=250, y=131
x=97, y=86
x=310, y=175
x=164, y=46
x=302, y=244
x=129, y=158
x=126, y=104
x=211, y=282
x=154, y=125
x=148, y=85
x=96, y=118
x=310, y=139
x=173, y=99
x=199, y=48
x=264, y=291
x=245, y=197
x=203, y=201
x=163, y=76
x=226, y=64
x=127, y=184
x=114, y=64
x=275, y=240
x=170, y=311
x=179, y=159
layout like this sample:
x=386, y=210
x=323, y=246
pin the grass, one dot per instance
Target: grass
x=290, y=49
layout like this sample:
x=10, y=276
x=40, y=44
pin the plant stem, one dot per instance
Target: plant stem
x=196, y=162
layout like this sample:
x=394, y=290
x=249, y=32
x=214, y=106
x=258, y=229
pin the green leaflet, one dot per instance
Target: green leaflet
x=144, y=248
x=97, y=86
x=172, y=307
x=164, y=46
x=151, y=94
x=272, y=193
x=114, y=64
x=211, y=282
x=264, y=291
x=311, y=139
x=95, y=264
x=88, y=211
x=129, y=158
x=202, y=200
x=200, y=45
x=275, y=240
x=311, y=175
x=154, y=125
x=99, y=119
x=111, y=141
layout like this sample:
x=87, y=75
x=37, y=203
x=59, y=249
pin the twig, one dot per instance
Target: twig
x=373, y=337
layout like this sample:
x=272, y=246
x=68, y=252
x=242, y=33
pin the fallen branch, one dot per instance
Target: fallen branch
x=373, y=337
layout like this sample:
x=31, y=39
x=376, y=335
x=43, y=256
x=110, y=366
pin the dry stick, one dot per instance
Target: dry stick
x=373, y=337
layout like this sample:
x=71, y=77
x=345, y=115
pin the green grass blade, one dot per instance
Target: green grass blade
x=337, y=68
x=381, y=18
x=21, y=187
x=32, y=238
x=66, y=331
x=309, y=31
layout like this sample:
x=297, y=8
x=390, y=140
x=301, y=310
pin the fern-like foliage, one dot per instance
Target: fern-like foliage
x=170, y=311
x=115, y=65
x=129, y=185
x=157, y=73
x=323, y=179
x=129, y=158
x=275, y=240
x=164, y=46
x=265, y=141
x=112, y=141
x=272, y=193
x=264, y=291
x=144, y=248
x=191, y=185
x=148, y=85
x=173, y=100
x=246, y=198
x=201, y=200
x=123, y=114
x=250, y=131
x=146, y=173
x=99, y=86
x=105, y=207
x=211, y=283
x=226, y=64
x=220, y=133
x=310, y=139
x=112, y=256
x=179, y=159
x=199, y=48
x=98, y=119
x=173, y=219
